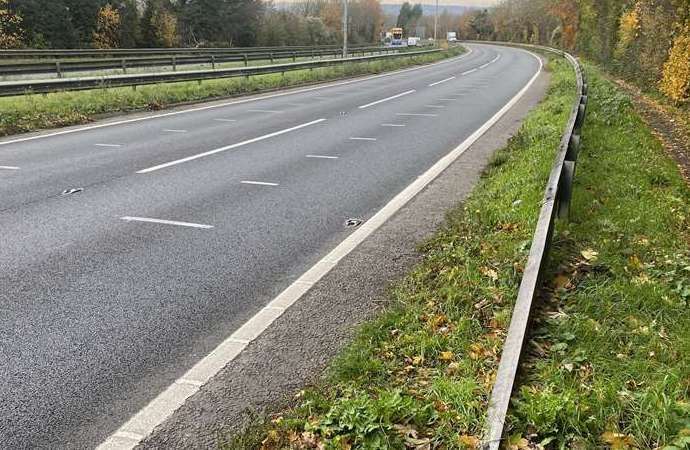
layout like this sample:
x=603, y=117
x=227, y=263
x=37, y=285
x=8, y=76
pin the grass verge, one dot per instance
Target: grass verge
x=33, y=112
x=610, y=355
x=420, y=375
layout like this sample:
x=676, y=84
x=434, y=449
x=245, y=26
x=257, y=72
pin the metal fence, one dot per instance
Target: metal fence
x=146, y=52
x=10, y=88
x=60, y=66
x=556, y=204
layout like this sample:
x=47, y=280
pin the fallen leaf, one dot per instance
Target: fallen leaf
x=489, y=272
x=589, y=254
x=561, y=282
x=469, y=441
x=447, y=356
x=618, y=441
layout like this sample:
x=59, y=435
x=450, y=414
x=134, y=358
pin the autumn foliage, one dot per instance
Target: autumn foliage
x=675, y=82
x=645, y=41
x=10, y=27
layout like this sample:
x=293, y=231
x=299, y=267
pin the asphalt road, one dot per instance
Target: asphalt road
x=102, y=306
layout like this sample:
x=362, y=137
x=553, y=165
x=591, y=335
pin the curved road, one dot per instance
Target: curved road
x=188, y=223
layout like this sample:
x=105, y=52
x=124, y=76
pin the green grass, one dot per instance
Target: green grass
x=422, y=372
x=611, y=355
x=32, y=112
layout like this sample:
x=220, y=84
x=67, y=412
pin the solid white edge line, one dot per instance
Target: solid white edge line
x=225, y=120
x=260, y=183
x=388, y=98
x=238, y=102
x=166, y=403
x=228, y=147
x=392, y=124
x=9, y=167
x=165, y=222
x=362, y=139
x=174, y=131
x=442, y=81
x=321, y=156
x=469, y=71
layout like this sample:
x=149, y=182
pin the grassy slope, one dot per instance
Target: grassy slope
x=32, y=112
x=611, y=364
x=422, y=372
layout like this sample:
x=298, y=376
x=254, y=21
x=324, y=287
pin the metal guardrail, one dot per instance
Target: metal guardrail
x=10, y=88
x=147, y=52
x=60, y=66
x=556, y=204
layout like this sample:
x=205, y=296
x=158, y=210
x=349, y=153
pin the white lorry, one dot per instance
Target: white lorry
x=451, y=36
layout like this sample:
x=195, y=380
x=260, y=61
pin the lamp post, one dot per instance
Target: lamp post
x=435, y=23
x=344, y=28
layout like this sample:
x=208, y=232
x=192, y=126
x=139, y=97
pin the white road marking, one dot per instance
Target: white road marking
x=107, y=145
x=235, y=102
x=167, y=402
x=229, y=147
x=362, y=139
x=174, y=131
x=166, y=222
x=322, y=156
x=260, y=183
x=225, y=120
x=387, y=99
x=9, y=167
x=468, y=71
x=442, y=81
x=416, y=114
x=267, y=111
x=392, y=124
x=434, y=106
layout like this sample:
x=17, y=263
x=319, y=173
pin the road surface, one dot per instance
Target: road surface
x=132, y=248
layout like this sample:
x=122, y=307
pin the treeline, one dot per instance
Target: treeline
x=646, y=41
x=186, y=23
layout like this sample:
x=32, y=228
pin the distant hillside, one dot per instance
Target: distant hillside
x=390, y=9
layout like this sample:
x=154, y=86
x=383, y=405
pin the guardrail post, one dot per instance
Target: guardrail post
x=271, y=56
x=246, y=60
x=174, y=63
x=58, y=69
x=294, y=56
x=565, y=190
x=213, y=62
x=123, y=63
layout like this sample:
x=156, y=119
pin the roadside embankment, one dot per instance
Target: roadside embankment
x=422, y=372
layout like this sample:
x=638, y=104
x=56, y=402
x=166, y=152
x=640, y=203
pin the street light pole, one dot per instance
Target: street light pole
x=435, y=22
x=344, y=28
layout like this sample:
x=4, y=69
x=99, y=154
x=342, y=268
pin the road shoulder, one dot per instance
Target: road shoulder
x=287, y=357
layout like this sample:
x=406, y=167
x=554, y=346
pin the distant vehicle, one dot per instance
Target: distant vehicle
x=452, y=36
x=413, y=41
x=397, y=37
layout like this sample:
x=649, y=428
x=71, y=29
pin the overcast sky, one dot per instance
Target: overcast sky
x=446, y=2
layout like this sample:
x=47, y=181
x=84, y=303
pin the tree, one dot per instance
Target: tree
x=11, y=33
x=409, y=16
x=159, y=24
x=107, y=32
x=129, y=31
x=47, y=24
